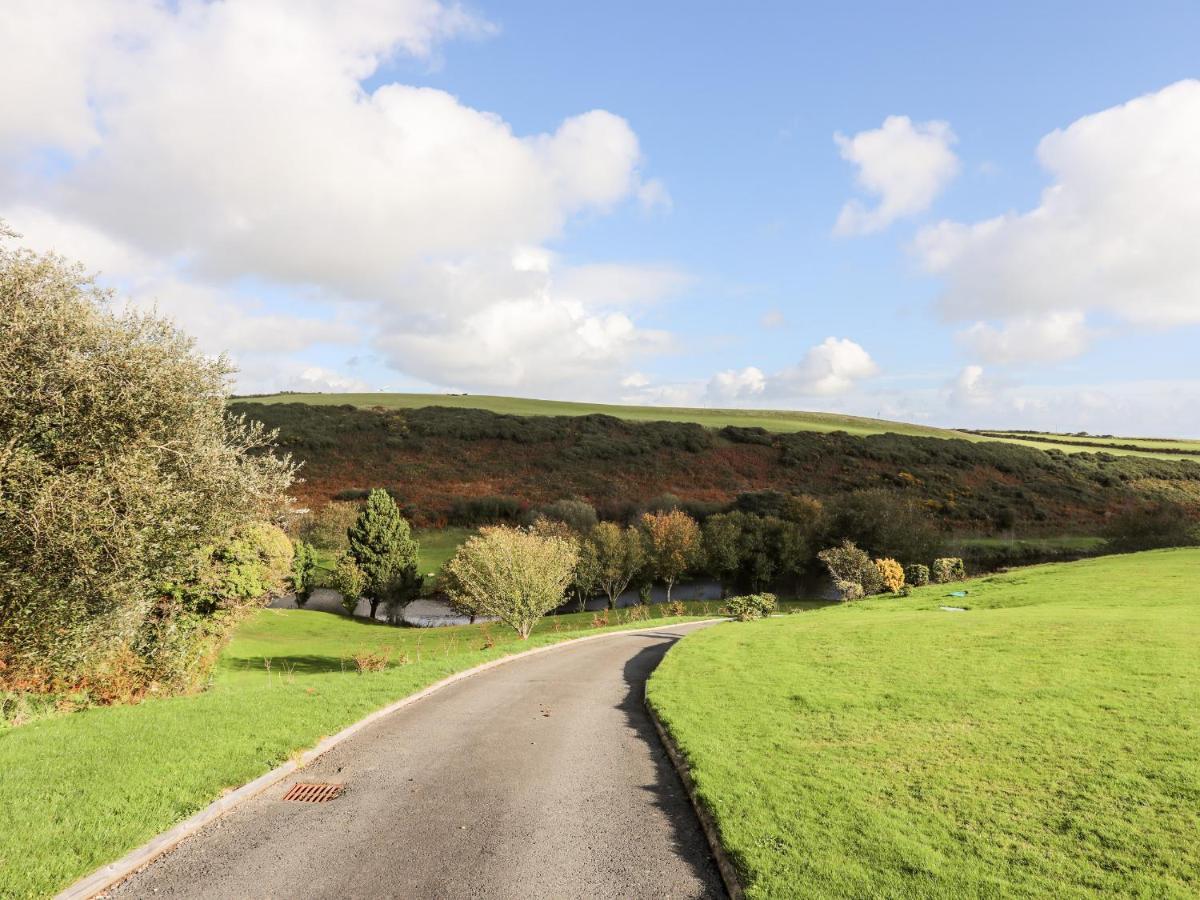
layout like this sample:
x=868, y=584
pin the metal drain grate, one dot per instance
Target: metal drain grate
x=312, y=793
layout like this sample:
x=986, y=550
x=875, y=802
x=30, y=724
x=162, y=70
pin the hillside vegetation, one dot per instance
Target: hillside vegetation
x=437, y=460
x=780, y=421
x=1042, y=743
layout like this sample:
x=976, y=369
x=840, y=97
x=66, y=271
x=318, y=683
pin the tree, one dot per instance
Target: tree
x=513, y=574
x=673, y=545
x=382, y=545
x=119, y=464
x=722, y=541
x=886, y=524
x=619, y=556
x=1149, y=526
x=350, y=581
x=579, y=515
x=304, y=571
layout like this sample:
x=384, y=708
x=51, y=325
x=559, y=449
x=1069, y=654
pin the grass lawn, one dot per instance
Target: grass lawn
x=80, y=790
x=1042, y=743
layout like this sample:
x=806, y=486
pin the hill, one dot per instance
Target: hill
x=462, y=465
x=1042, y=743
x=776, y=421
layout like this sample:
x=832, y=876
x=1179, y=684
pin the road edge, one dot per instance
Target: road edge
x=132, y=862
x=708, y=825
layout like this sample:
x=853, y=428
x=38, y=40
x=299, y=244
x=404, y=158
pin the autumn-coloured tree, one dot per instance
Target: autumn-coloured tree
x=673, y=545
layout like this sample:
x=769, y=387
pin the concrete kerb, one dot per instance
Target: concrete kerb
x=115, y=872
x=725, y=866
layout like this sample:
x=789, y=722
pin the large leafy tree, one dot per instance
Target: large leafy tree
x=514, y=574
x=673, y=545
x=382, y=545
x=119, y=466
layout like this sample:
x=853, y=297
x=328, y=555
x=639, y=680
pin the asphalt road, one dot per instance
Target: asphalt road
x=540, y=778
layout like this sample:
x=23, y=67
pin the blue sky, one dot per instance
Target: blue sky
x=245, y=168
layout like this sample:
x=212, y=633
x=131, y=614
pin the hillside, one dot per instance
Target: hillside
x=434, y=458
x=1039, y=744
x=777, y=421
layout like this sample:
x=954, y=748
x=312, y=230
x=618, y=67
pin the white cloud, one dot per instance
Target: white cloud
x=654, y=197
x=397, y=216
x=732, y=384
x=905, y=165
x=832, y=367
x=1047, y=338
x=1114, y=232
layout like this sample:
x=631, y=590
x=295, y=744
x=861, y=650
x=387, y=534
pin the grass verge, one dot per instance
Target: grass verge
x=1042, y=743
x=80, y=790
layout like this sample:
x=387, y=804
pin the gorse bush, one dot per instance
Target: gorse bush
x=118, y=464
x=947, y=569
x=891, y=575
x=916, y=575
x=751, y=606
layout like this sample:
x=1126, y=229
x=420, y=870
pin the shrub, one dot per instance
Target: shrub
x=372, y=660
x=891, y=574
x=1151, y=526
x=304, y=571
x=487, y=510
x=677, y=608
x=853, y=573
x=916, y=575
x=947, y=569
x=118, y=465
x=325, y=528
x=349, y=581
x=751, y=606
x=513, y=574
x=579, y=515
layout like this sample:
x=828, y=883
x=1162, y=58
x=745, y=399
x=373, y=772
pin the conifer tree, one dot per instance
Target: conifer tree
x=382, y=545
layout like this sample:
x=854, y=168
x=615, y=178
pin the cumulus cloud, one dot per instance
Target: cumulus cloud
x=831, y=368
x=904, y=165
x=260, y=150
x=1048, y=338
x=1114, y=232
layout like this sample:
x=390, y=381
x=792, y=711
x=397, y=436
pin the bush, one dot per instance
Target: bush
x=916, y=575
x=853, y=573
x=751, y=606
x=349, y=581
x=1152, y=526
x=579, y=515
x=489, y=510
x=119, y=464
x=325, y=528
x=304, y=572
x=891, y=574
x=947, y=569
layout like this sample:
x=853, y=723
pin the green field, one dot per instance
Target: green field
x=1042, y=743
x=79, y=790
x=1100, y=443
x=769, y=419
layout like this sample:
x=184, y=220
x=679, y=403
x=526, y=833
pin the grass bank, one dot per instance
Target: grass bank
x=1042, y=743
x=80, y=790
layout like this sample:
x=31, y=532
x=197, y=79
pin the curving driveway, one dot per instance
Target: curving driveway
x=540, y=778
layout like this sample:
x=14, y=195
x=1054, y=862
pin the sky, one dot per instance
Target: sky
x=937, y=212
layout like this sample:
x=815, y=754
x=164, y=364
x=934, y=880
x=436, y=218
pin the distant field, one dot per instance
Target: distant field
x=1040, y=744
x=772, y=420
x=1166, y=447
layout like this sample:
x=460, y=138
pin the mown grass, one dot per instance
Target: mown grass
x=79, y=790
x=1043, y=743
